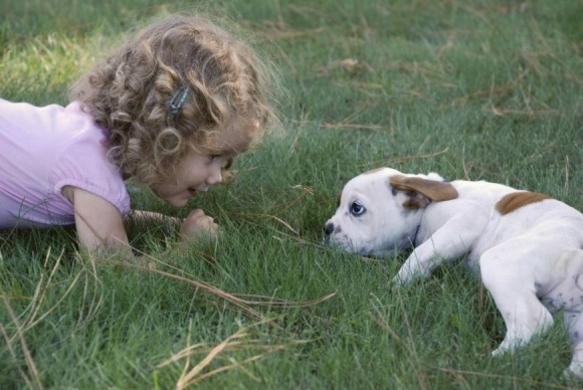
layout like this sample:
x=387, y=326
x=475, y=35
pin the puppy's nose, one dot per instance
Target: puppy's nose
x=329, y=228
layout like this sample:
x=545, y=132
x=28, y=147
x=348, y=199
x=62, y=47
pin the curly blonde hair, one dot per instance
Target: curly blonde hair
x=128, y=94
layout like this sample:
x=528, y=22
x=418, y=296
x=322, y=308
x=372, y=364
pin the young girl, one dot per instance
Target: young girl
x=171, y=109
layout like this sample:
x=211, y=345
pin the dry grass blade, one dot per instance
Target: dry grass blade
x=185, y=380
x=243, y=303
x=284, y=223
x=502, y=90
x=13, y=354
x=87, y=313
x=282, y=303
x=26, y=352
x=200, y=285
x=200, y=348
x=235, y=342
x=348, y=122
x=34, y=317
x=236, y=365
x=352, y=126
x=306, y=190
x=531, y=113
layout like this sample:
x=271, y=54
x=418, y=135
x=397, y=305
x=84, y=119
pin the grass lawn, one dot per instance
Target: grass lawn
x=479, y=90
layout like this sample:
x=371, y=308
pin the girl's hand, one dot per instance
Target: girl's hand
x=198, y=224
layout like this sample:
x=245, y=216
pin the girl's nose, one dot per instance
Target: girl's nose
x=214, y=177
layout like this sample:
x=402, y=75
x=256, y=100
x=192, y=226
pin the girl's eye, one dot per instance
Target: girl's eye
x=224, y=159
x=357, y=209
x=213, y=157
x=227, y=164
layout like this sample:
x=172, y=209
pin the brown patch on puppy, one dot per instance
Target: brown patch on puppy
x=415, y=200
x=516, y=200
x=431, y=189
x=338, y=199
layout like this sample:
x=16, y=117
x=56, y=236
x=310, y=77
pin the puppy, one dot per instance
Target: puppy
x=528, y=247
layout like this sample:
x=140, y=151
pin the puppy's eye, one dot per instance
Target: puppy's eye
x=356, y=208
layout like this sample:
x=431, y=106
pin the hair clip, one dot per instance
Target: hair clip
x=177, y=99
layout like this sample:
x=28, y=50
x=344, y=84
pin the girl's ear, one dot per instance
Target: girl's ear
x=419, y=191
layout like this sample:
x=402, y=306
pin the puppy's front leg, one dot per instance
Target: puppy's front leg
x=451, y=241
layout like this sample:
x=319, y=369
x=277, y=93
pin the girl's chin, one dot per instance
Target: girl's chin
x=177, y=202
x=180, y=200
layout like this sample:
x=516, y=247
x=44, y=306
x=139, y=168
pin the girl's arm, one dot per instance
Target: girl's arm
x=100, y=225
x=197, y=223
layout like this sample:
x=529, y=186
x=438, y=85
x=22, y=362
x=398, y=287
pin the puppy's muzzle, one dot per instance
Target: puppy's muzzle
x=328, y=230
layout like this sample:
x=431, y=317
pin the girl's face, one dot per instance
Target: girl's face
x=196, y=171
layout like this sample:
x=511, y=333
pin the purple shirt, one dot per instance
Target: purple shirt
x=42, y=150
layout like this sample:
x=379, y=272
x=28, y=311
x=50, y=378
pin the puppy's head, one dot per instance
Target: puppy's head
x=380, y=211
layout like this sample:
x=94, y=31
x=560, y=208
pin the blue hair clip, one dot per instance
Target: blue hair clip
x=177, y=99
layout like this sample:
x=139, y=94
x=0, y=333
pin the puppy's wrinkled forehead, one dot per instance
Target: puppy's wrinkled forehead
x=368, y=181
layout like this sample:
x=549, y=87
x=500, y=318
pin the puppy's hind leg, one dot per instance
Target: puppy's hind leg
x=576, y=366
x=508, y=275
x=571, y=289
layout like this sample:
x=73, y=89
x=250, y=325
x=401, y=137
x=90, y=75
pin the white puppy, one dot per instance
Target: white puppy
x=528, y=247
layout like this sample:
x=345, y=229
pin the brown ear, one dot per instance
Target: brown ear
x=431, y=189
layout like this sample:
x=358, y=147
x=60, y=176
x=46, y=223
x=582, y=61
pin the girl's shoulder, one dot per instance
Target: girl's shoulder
x=56, y=146
x=63, y=144
x=53, y=123
x=83, y=162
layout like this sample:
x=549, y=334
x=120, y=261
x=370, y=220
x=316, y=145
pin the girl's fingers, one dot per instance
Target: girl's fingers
x=198, y=223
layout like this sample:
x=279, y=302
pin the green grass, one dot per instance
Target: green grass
x=484, y=89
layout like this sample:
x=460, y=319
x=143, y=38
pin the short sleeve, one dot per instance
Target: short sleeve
x=84, y=164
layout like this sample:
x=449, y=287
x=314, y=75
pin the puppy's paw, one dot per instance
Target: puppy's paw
x=403, y=277
x=499, y=352
x=574, y=371
x=409, y=272
x=507, y=346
